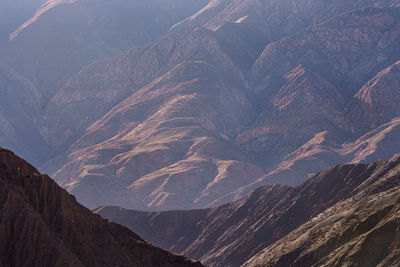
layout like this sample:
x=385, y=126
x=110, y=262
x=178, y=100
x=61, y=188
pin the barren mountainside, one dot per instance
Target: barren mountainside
x=43, y=225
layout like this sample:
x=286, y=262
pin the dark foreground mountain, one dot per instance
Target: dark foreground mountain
x=42, y=225
x=348, y=214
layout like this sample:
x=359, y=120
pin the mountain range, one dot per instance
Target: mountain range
x=202, y=105
x=232, y=132
x=346, y=215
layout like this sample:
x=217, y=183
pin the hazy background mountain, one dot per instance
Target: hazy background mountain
x=179, y=104
x=14, y=13
x=68, y=34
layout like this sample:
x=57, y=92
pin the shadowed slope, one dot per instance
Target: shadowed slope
x=42, y=225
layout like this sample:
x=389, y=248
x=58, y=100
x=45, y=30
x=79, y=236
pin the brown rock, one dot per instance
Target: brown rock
x=42, y=225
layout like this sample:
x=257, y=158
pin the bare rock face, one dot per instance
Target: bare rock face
x=42, y=225
x=345, y=214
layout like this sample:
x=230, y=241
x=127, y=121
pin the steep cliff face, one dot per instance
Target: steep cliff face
x=231, y=234
x=42, y=225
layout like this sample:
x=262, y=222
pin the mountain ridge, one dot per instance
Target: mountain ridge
x=233, y=233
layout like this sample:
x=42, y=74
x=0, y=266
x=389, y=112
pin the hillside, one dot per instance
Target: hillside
x=43, y=225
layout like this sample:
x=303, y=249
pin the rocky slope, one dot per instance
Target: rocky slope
x=42, y=225
x=362, y=230
x=331, y=219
